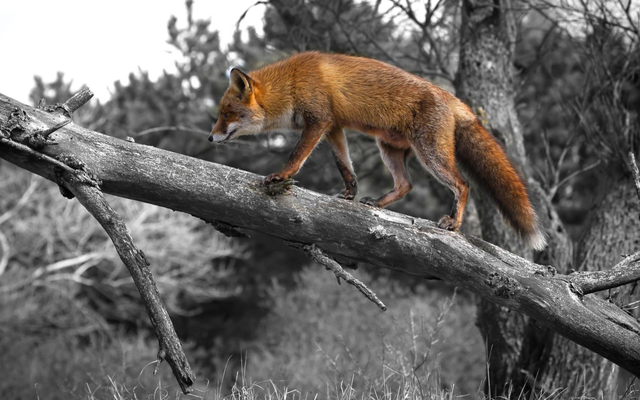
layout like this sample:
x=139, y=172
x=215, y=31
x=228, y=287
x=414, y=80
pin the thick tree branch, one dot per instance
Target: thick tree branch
x=340, y=228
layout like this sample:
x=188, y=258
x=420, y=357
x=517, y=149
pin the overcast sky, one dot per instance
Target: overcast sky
x=98, y=42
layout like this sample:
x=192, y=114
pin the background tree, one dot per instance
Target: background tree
x=485, y=82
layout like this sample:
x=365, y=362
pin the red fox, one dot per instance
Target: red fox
x=322, y=94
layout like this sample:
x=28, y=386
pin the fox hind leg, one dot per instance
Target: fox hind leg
x=395, y=160
x=438, y=157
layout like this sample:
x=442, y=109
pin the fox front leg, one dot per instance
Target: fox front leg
x=308, y=141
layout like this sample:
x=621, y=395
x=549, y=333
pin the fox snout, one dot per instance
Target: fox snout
x=221, y=135
x=218, y=137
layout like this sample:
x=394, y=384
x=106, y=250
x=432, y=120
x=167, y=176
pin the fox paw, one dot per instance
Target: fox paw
x=346, y=195
x=273, y=178
x=369, y=201
x=448, y=223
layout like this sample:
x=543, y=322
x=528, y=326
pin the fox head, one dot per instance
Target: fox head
x=239, y=112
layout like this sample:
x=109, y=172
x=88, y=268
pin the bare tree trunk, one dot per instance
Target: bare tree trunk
x=518, y=350
x=485, y=82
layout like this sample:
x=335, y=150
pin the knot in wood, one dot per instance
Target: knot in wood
x=546, y=271
x=36, y=141
x=17, y=121
x=503, y=286
x=72, y=161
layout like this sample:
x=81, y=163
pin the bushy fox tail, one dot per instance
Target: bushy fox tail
x=486, y=163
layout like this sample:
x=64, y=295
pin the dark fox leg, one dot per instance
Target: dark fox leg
x=340, y=150
x=395, y=159
x=438, y=156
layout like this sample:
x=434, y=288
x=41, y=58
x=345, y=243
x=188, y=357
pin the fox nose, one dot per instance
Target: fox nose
x=210, y=138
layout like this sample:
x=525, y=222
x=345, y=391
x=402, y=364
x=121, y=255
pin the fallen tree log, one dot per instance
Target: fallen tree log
x=234, y=200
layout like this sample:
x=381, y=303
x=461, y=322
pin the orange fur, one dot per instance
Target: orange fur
x=322, y=94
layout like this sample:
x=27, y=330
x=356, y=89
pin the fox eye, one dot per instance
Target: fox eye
x=226, y=115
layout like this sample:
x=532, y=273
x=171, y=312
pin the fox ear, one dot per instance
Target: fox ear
x=242, y=82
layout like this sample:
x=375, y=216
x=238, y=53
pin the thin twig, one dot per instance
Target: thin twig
x=4, y=260
x=54, y=128
x=636, y=173
x=320, y=257
x=554, y=189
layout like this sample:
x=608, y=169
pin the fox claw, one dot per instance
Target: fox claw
x=448, y=223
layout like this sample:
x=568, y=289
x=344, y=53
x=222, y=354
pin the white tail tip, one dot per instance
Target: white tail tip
x=536, y=240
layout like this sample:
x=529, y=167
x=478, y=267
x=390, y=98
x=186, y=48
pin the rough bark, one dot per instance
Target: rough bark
x=517, y=349
x=236, y=198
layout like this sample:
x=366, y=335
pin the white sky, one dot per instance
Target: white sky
x=98, y=42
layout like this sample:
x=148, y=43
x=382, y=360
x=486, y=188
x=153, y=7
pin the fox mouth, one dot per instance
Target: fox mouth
x=218, y=139
x=229, y=135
